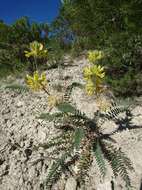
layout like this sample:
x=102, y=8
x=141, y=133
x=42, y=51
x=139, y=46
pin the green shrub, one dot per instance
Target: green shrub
x=10, y=64
x=124, y=64
x=111, y=26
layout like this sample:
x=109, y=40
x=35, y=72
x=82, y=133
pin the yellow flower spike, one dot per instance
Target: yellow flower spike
x=87, y=73
x=95, y=70
x=36, y=76
x=43, y=76
x=90, y=88
x=95, y=55
x=36, y=82
x=28, y=54
x=36, y=50
x=40, y=46
x=98, y=71
x=94, y=76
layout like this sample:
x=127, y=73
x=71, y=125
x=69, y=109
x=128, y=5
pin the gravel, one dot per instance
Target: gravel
x=21, y=131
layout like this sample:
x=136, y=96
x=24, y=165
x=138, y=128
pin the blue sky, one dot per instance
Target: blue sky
x=36, y=10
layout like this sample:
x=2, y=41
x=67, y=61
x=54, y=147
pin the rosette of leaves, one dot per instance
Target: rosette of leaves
x=80, y=140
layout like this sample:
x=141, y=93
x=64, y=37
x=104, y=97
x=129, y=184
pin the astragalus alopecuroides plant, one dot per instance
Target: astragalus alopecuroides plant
x=80, y=138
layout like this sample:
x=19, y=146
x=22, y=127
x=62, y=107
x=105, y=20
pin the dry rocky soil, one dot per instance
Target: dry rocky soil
x=20, y=131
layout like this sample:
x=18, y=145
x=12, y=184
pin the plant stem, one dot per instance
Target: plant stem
x=35, y=60
x=45, y=90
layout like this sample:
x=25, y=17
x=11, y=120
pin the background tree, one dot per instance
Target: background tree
x=15, y=38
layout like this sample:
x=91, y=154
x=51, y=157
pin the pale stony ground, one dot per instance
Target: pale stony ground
x=20, y=131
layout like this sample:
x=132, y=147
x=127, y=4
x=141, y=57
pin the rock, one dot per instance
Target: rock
x=41, y=136
x=60, y=185
x=6, y=111
x=20, y=104
x=105, y=186
x=137, y=111
x=71, y=184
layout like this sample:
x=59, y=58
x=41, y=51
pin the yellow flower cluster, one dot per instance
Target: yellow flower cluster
x=95, y=55
x=36, y=50
x=94, y=76
x=95, y=70
x=36, y=82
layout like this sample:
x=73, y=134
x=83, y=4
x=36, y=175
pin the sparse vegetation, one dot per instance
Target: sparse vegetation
x=80, y=138
x=110, y=34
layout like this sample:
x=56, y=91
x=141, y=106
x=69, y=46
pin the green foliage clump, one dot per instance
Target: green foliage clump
x=124, y=64
x=17, y=87
x=56, y=53
x=112, y=26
